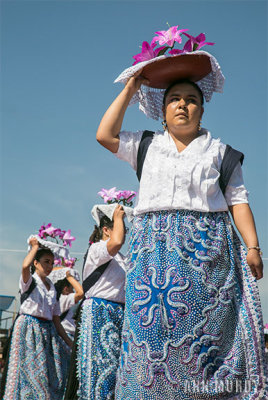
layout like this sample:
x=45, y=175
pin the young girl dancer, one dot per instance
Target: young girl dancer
x=99, y=337
x=193, y=322
x=69, y=292
x=38, y=359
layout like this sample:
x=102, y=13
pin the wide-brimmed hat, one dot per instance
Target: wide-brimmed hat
x=60, y=274
x=198, y=66
x=100, y=210
x=164, y=65
x=57, y=249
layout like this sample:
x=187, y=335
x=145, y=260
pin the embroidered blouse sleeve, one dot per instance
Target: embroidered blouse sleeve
x=236, y=193
x=97, y=256
x=25, y=286
x=129, y=146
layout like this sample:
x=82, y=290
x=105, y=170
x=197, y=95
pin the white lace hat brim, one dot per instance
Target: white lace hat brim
x=60, y=273
x=99, y=210
x=57, y=249
x=151, y=99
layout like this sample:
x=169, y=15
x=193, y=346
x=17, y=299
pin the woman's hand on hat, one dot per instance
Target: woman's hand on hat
x=255, y=263
x=135, y=82
x=68, y=274
x=119, y=212
x=34, y=242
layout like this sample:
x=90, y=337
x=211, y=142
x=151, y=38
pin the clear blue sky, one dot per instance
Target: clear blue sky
x=59, y=61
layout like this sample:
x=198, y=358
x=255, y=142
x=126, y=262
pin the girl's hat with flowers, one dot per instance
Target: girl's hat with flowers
x=57, y=241
x=112, y=197
x=163, y=65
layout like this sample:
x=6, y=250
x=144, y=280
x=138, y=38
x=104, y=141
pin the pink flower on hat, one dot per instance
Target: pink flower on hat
x=195, y=43
x=69, y=262
x=68, y=239
x=148, y=52
x=58, y=261
x=170, y=36
x=108, y=194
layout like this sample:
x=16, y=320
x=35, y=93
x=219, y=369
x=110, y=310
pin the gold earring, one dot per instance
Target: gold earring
x=199, y=125
x=164, y=124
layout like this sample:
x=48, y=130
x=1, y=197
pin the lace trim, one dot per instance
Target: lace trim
x=151, y=99
x=59, y=274
x=56, y=248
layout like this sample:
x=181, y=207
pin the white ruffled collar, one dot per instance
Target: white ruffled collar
x=200, y=143
x=50, y=294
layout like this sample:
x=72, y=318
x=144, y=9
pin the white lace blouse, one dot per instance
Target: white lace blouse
x=41, y=302
x=66, y=303
x=186, y=180
x=111, y=284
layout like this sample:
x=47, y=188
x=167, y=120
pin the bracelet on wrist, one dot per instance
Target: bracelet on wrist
x=255, y=248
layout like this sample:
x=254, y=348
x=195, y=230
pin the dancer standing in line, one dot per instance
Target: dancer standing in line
x=69, y=293
x=100, y=323
x=38, y=358
x=192, y=316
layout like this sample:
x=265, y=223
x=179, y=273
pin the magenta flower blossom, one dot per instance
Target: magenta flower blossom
x=58, y=262
x=195, y=43
x=69, y=262
x=148, y=52
x=51, y=231
x=68, y=239
x=128, y=195
x=170, y=36
x=108, y=194
x=61, y=234
x=42, y=231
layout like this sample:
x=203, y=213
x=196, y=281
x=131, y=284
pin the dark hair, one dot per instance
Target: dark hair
x=183, y=81
x=60, y=285
x=97, y=233
x=40, y=253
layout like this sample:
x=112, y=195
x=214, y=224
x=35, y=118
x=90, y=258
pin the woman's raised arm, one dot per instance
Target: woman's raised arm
x=110, y=125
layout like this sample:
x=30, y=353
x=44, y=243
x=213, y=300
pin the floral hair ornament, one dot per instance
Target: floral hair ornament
x=112, y=198
x=57, y=241
x=163, y=65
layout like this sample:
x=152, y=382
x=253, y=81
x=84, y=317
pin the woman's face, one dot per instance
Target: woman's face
x=183, y=109
x=45, y=265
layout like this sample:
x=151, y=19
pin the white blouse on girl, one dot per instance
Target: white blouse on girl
x=41, y=302
x=111, y=284
x=67, y=301
x=187, y=180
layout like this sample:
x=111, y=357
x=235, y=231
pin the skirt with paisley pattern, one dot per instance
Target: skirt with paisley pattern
x=193, y=325
x=38, y=361
x=98, y=348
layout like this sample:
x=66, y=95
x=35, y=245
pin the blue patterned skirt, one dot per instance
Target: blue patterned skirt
x=193, y=326
x=38, y=361
x=98, y=348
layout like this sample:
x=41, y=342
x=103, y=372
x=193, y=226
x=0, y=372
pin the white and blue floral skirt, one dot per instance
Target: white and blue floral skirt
x=98, y=348
x=38, y=361
x=193, y=326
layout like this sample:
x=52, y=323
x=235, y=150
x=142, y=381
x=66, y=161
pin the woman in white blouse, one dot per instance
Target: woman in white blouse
x=192, y=309
x=102, y=312
x=38, y=358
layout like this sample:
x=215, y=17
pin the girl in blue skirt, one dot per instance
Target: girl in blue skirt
x=38, y=358
x=193, y=323
x=99, y=327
